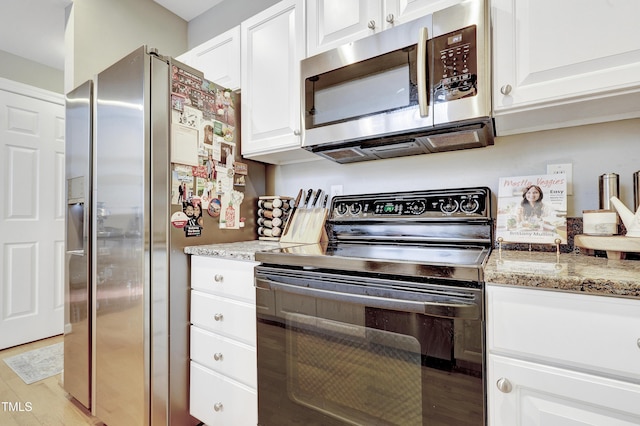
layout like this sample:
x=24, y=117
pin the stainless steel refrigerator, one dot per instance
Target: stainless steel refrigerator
x=127, y=303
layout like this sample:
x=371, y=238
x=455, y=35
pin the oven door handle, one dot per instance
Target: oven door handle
x=443, y=309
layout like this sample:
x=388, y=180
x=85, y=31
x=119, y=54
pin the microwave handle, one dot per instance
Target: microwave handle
x=423, y=100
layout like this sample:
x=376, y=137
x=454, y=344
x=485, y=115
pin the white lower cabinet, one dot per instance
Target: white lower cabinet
x=218, y=400
x=223, y=387
x=526, y=393
x=562, y=359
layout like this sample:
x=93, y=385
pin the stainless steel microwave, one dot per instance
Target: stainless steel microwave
x=421, y=87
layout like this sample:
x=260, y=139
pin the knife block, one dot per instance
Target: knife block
x=307, y=227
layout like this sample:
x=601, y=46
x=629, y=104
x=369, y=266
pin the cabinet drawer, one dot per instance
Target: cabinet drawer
x=585, y=332
x=228, y=317
x=225, y=356
x=217, y=400
x=230, y=278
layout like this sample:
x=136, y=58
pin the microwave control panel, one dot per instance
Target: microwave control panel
x=455, y=65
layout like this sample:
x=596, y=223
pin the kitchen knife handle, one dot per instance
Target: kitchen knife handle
x=307, y=198
x=298, y=198
x=324, y=202
x=315, y=199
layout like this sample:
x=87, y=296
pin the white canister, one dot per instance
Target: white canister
x=599, y=222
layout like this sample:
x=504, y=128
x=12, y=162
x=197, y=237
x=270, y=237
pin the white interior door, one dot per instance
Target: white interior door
x=32, y=197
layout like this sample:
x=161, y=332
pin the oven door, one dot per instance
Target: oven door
x=345, y=350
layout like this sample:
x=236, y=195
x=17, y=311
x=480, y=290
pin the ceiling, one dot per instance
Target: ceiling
x=34, y=29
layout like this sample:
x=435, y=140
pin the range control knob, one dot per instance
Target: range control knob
x=417, y=207
x=355, y=208
x=469, y=205
x=341, y=209
x=449, y=206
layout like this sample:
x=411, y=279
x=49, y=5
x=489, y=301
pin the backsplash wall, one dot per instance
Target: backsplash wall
x=593, y=150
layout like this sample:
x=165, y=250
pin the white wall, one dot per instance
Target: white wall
x=29, y=72
x=101, y=32
x=593, y=150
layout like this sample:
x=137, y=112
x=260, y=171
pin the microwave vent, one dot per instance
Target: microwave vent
x=474, y=136
x=344, y=154
x=411, y=147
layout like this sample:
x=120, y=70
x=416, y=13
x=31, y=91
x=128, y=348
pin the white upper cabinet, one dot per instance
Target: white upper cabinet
x=218, y=59
x=564, y=63
x=273, y=43
x=331, y=23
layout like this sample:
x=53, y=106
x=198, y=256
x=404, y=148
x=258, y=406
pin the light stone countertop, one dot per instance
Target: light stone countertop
x=566, y=272
x=242, y=250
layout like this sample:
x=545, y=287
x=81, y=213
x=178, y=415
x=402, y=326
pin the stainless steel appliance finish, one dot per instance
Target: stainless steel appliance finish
x=608, y=186
x=421, y=87
x=79, y=235
x=384, y=323
x=137, y=361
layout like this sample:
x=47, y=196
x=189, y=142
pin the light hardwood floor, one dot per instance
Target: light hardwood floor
x=40, y=403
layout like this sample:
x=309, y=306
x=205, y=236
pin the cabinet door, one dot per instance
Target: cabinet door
x=397, y=12
x=548, y=52
x=218, y=59
x=331, y=23
x=218, y=400
x=272, y=47
x=522, y=393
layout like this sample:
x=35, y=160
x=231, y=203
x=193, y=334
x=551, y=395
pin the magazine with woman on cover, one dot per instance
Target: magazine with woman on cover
x=532, y=209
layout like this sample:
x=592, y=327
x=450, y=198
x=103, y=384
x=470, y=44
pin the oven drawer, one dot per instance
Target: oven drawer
x=231, y=318
x=225, y=356
x=229, y=278
x=217, y=400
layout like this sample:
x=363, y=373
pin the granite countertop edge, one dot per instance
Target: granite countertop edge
x=575, y=273
x=568, y=272
x=241, y=250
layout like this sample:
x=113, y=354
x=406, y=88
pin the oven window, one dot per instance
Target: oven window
x=353, y=373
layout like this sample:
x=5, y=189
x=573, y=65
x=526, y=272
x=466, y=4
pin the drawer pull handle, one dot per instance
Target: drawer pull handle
x=217, y=356
x=217, y=406
x=218, y=317
x=506, y=89
x=371, y=25
x=218, y=278
x=504, y=385
x=638, y=343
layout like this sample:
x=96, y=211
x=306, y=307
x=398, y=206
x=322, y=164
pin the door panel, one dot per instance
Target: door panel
x=31, y=217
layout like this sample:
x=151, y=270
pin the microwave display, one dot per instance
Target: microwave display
x=377, y=85
x=455, y=68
